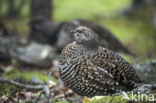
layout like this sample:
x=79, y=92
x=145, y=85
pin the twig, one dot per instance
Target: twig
x=45, y=91
x=153, y=86
x=20, y=85
x=39, y=97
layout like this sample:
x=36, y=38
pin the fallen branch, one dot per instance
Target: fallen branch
x=23, y=86
x=45, y=91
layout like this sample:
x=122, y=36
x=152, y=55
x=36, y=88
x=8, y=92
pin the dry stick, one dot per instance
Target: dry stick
x=152, y=86
x=45, y=91
x=39, y=97
x=20, y=85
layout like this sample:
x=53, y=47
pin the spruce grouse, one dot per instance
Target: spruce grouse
x=111, y=42
x=90, y=69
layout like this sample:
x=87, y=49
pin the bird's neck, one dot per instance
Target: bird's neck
x=90, y=45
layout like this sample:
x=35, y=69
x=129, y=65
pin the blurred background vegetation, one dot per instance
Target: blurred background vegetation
x=135, y=29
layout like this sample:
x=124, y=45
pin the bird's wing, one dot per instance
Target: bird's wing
x=100, y=78
x=94, y=74
x=120, y=69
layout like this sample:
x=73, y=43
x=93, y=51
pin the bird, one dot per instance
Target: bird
x=90, y=70
x=58, y=35
x=109, y=40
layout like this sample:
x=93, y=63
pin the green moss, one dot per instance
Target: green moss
x=5, y=89
x=118, y=99
x=109, y=99
x=26, y=75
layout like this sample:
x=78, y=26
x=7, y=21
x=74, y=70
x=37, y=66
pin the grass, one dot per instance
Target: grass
x=27, y=75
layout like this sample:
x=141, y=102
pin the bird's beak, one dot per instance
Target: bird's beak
x=72, y=31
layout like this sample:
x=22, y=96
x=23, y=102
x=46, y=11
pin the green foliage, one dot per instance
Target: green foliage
x=67, y=9
x=137, y=35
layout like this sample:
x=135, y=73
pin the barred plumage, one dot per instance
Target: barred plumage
x=90, y=69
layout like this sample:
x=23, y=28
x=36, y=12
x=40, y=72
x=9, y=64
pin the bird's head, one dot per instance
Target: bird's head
x=83, y=34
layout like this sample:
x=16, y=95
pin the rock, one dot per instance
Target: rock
x=147, y=70
x=144, y=89
x=6, y=45
x=35, y=54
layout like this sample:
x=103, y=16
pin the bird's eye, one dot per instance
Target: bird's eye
x=79, y=31
x=78, y=34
